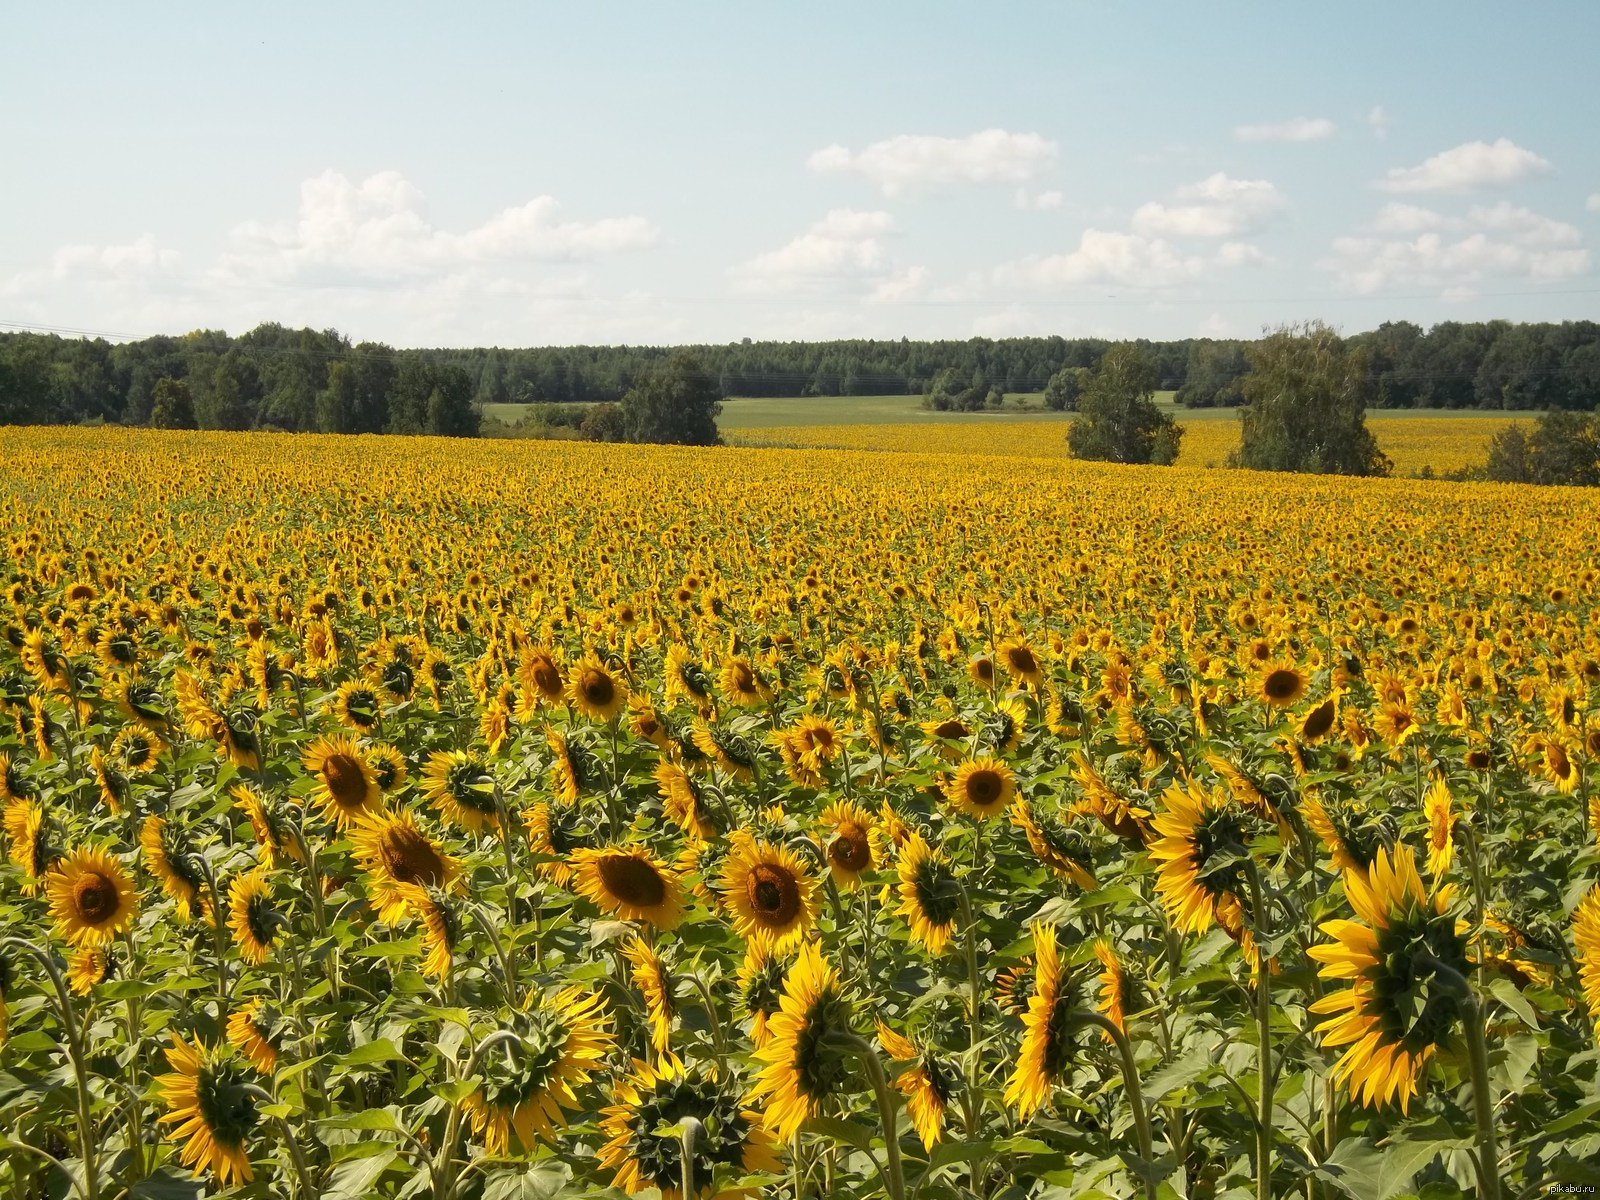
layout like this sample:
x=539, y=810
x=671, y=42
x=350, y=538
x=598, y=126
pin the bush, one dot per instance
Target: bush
x=1563, y=448
x=1118, y=420
x=605, y=423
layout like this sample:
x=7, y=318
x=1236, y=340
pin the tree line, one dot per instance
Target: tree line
x=274, y=377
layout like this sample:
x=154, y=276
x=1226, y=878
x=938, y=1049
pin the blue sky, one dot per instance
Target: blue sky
x=526, y=174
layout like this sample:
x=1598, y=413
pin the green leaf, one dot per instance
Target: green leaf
x=404, y=948
x=1361, y=1170
x=167, y=1183
x=380, y=1051
x=541, y=1182
x=352, y=1180
x=1178, y=1074
x=848, y=1132
x=379, y=1119
x=1506, y=992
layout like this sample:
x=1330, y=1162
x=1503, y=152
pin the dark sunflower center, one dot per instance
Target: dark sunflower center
x=410, y=858
x=1319, y=720
x=1557, y=758
x=632, y=880
x=938, y=893
x=1281, y=685
x=951, y=728
x=984, y=787
x=743, y=680
x=774, y=894
x=398, y=679
x=95, y=898
x=1022, y=661
x=345, y=779
x=229, y=1112
x=851, y=850
x=598, y=688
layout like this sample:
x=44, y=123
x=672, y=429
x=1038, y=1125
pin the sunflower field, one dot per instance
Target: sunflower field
x=393, y=817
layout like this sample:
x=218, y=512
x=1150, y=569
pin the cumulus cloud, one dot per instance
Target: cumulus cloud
x=846, y=245
x=1593, y=203
x=1453, y=253
x=1215, y=207
x=1378, y=122
x=1468, y=166
x=1299, y=129
x=1038, y=201
x=1123, y=259
x=899, y=163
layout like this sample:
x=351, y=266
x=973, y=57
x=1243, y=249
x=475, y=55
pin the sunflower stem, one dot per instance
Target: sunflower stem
x=88, y=1142
x=1483, y=1102
x=1264, y=1072
x=895, y=1180
x=219, y=928
x=507, y=972
x=972, y=1101
x=442, y=1170
x=717, y=1037
x=690, y=1135
x=1130, y=1081
x=301, y=1170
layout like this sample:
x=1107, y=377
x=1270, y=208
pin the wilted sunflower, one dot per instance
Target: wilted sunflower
x=1049, y=1046
x=770, y=895
x=1441, y=827
x=90, y=966
x=930, y=894
x=91, y=897
x=760, y=987
x=346, y=788
x=461, y=787
x=207, y=1100
x=1586, y=938
x=1200, y=844
x=358, y=705
x=1397, y=1010
x=802, y=1067
x=256, y=1031
x=981, y=788
x=683, y=802
x=394, y=853
x=1064, y=850
x=742, y=684
x=626, y=881
x=557, y=1042
x=655, y=984
x=595, y=690
x=642, y=1157
x=251, y=916
x=849, y=842
x=928, y=1084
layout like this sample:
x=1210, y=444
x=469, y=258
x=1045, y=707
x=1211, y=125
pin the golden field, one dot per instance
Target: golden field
x=1443, y=444
x=412, y=817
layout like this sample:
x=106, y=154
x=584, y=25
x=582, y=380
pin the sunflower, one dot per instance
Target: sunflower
x=14, y=784
x=1280, y=684
x=1586, y=938
x=595, y=691
x=573, y=769
x=981, y=788
x=770, y=895
x=815, y=740
x=1354, y=847
x=89, y=966
x=1559, y=767
x=980, y=669
x=358, y=705
x=268, y=823
x=1063, y=849
x=1013, y=987
x=91, y=897
x=849, y=848
x=136, y=749
x=627, y=882
x=1003, y=728
x=742, y=684
x=1197, y=827
x=1116, y=988
x=1396, y=723
x=539, y=673
x=801, y=1067
x=928, y=1084
x=1320, y=720
x=346, y=788
x=947, y=729
x=111, y=783
x=1245, y=790
x=441, y=925
x=555, y=831
x=30, y=847
x=395, y=853
x=1021, y=663
x=1397, y=1010
x=651, y=978
x=207, y=1100
x=683, y=802
x=687, y=679
x=645, y=722
x=461, y=787
x=930, y=894
x=388, y=766
x=256, y=1031
x=1441, y=827
x=661, y=1097
x=1121, y=816
x=732, y=752
x=1048, y=1046
x=169, y=855
x=760, y=987
x=556, y=1041
x=251, y=916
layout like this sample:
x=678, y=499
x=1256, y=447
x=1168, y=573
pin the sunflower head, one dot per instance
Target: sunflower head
x=215, y=1115
x=252, y=916
x=802, y=1065
x=628, y=882
x=394, y=852
x=256, y=1031
x=461, y=786
x=596, y=690
x=1201, y=849
x=981, y=788
x=849, y=842
x=760, y=987
x=91, y=897
x=1051, y=1039
x=346, y=788
x=1280, y=684
x=1064, y=849
x=930, y=893
x=770, y=894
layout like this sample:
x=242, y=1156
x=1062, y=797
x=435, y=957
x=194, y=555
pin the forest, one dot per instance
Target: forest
x=274, y=377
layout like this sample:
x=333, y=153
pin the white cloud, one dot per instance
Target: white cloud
x=847, y=244
x=1038, y=201
x=1122, y=259
x=901, y=286
x=1215, y=326
x=1299, y=129
x=1215, y=207
x=898, y=163
x=1378, y=121
x=376, y=229
x=1453, y=253
x=1467, y=166
x=1593, y=203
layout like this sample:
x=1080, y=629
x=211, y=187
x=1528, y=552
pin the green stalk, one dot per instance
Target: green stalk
x=691, y=1134
x=1263, y=922
x=441, y=1170
x=1130, y=1081
x=1483, y=1103
x=895, y=1180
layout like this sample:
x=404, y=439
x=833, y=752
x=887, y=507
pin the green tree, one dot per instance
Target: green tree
x=235, y=392
x=1065, y=387
x=1118, y=420
x=676, y=403
x=1563, y=448
x=1306, y=404
x=604, y=423
x=336, y=403
x=171, y=405
x=451, y=412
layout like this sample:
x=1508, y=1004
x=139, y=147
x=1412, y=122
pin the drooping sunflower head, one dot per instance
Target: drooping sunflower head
x=628, y=882
x=981, y=788
x=1051, y=1040
x=802, y=1065
x=849, y=842
x=529, y=1075
x=770, y=895
x=215, y=1115
x=462, y=788
x=394, y=852
x=1066, y=850
x=1201, y=845
x=930, y=894
x=346, y=788
x=1406, y=963
x=91, y=897
x=662, y=1097
x=760, y=987
x=256, y=1030
x=252, y=916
